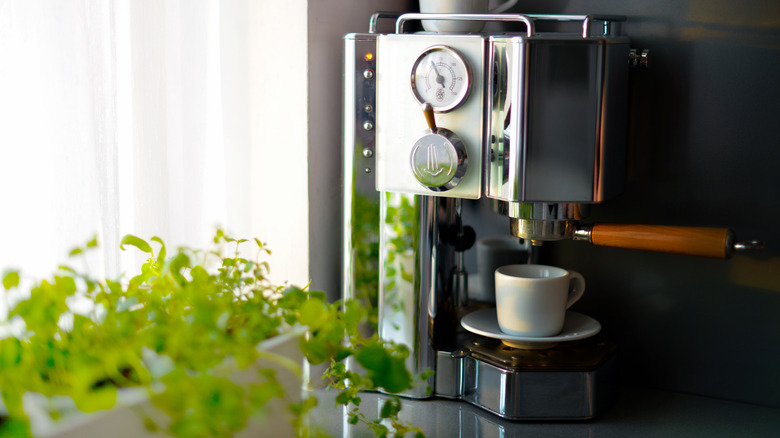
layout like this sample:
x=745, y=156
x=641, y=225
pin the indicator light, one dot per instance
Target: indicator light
x=369, y=56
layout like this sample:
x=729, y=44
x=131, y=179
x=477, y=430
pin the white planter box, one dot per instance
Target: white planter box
x=126, y=419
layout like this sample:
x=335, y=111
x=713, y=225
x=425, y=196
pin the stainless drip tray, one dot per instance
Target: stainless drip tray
x=573, y=381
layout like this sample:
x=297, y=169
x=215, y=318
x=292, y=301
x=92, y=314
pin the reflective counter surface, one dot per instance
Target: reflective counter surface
x=638, y=412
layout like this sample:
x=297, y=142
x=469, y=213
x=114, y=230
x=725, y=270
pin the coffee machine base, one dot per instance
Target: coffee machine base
x=572, y=381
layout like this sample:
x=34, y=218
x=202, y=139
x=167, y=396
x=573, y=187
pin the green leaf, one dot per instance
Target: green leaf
x=162, y=254
x=354, y=313
x=10, y=353
x=318, y=295
x=380, y=430
x=293, y=297
x=15, y=427
x=397, y=377
x=391, y=407
x=137, y=242
x=343, y=398
x=314, y=314
x=325, y=344
x=10, y=279
x=66, y=284
x=102, y=398
x=386, y=370
x=373, y=357
x=114, y=287
x=179, y=262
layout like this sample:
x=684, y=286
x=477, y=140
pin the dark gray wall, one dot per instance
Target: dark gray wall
x=704, y=150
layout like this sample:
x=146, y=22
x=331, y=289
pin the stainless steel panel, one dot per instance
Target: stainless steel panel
x=539, y=395
x=533, y=394
x=407, y=244
x=449, y=374
x=400, y=120
x=557, y=118
x=360, y=275
x=418, y=293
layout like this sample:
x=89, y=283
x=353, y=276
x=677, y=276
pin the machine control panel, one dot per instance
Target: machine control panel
x=442, y=158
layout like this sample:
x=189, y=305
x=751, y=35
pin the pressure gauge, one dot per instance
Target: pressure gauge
x=441, y=77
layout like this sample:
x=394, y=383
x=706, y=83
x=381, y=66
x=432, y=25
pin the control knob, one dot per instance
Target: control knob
x=438, y=158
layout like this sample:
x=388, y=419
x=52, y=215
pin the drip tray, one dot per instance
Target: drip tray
x=572, y=381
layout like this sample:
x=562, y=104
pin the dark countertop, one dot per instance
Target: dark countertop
x=638, y=412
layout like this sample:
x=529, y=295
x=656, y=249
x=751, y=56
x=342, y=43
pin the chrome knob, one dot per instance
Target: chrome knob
x=439, y=160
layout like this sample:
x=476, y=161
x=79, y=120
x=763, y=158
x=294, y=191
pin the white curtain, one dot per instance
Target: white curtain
x=138, y=117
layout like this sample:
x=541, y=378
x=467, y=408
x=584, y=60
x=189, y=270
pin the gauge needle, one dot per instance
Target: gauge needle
x=439, y=77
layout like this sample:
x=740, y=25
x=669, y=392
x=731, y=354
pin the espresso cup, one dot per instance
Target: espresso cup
x=531, y=300
x=459, y=7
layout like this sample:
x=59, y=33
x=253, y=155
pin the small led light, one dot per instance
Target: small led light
x=369, y=56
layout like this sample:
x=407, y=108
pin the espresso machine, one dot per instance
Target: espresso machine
x=536, y=122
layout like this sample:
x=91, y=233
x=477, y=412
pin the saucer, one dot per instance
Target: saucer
x=576, y=326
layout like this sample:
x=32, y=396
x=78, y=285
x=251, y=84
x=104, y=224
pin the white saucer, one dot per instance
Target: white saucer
x=576, y=326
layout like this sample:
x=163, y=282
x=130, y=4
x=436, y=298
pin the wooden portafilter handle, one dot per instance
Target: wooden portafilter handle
x=695, y=241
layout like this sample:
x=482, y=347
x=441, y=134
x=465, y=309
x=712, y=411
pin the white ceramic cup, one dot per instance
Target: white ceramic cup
x=531, y=300
x=459, y=7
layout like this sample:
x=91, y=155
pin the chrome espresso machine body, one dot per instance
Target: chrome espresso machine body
x=536, y=122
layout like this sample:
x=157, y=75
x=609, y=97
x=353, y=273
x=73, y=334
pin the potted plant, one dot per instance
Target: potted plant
x=183, y=331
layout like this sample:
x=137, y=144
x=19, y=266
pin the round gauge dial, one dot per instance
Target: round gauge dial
x=441, y=77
